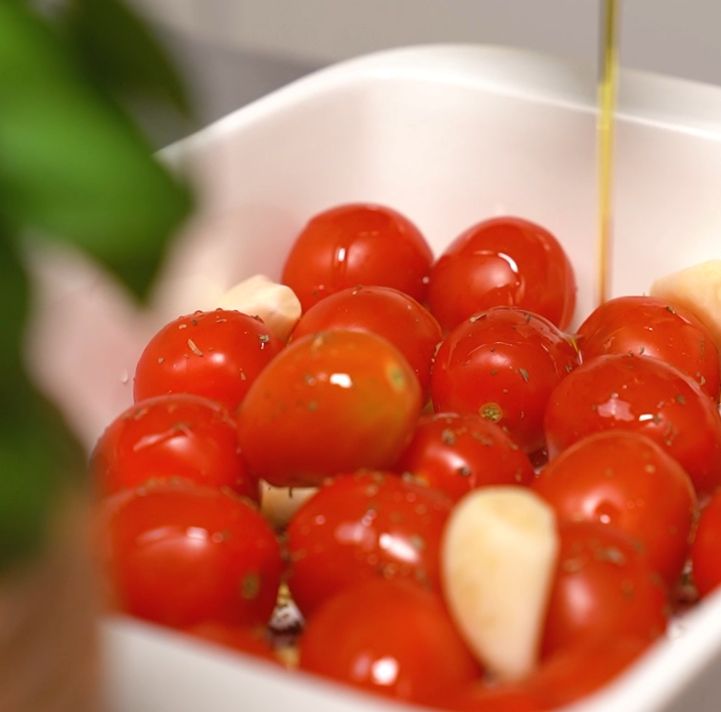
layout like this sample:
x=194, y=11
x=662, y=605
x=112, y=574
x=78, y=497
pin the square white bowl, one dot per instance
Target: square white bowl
x=448, y=135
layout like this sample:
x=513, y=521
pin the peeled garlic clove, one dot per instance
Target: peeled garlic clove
x=498, y=558
x=279, y=504
x=697, y=288
x=276, y=304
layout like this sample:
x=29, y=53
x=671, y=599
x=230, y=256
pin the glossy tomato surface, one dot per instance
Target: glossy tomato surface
x=216, y=354
x=643, y=395
x=482, y=697
x=604, y=588
x=395, y=316
x=504, y=261
x=706, y=550
x=503, y=364
x=171, y=436
x=331, y=402
x=180, y=554
x=626, y=481
x=653, y=327
x=362, y=526
x=389, y=637
x=357, y=244
x=457, y=453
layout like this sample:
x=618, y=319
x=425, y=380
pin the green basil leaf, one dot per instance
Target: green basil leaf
x=70, y=165
x=122, y=56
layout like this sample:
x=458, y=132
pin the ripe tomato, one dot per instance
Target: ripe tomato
x=604, y=588
x=503, y=262
x=180, y=554
x=653, y=327
x=241, y=639
x=215, y=354
x=582, y=669
x=457, y=453
x=330, y=402
x=357, y=244
x=646, y=396
x=389, y=637
x=706, y=549
x=627, y=481
x=410, y=327
x=503, y=364
x=363, y=526
x=171, y=436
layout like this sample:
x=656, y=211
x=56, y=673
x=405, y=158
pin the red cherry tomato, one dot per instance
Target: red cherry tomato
x=357, y=244
x=457, y=453
x=706, y=549
x=579, y=670
x=389, y=637
x=215, y=354
x=181, y=554
x=503, y=364
x=652, y=327
x=503, y=262
x=627, y=481
x=171, y=436
x=240, y=639
x=363, y=526
x=384, y=311
x=604, y=588
x=330, y=402
x=646, y=396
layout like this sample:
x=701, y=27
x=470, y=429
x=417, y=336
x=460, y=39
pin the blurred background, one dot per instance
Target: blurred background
x=233, y=51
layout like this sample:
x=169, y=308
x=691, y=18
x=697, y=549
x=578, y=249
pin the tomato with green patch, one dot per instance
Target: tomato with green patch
x=330, y=402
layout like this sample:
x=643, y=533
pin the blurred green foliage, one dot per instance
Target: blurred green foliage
x=75, y=168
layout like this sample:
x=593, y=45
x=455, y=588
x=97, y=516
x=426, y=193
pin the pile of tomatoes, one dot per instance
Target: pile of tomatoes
x=406, y=384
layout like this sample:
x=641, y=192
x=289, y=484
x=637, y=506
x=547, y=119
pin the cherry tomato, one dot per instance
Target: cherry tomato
x=627, y=481
x=582, y=669
x=240, y=639
x=180, y=554
x=172, y=436
x=216, y=354
x=646, y=396
x=362, y=526
x=384, y=311
x=330, y=402
x=706, y=549
x=653, y=327
x=604, y=588
x=357, y=244
x=457, y=453
x=389, y=637
x=503, y=262
x=503, y=364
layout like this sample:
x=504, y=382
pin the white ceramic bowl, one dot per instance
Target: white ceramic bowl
x=447, y=135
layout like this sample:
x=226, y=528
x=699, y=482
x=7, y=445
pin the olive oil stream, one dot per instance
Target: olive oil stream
x=607, y=90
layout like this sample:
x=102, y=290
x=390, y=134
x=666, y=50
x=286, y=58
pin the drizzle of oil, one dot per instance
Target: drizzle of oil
x=607, y=89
